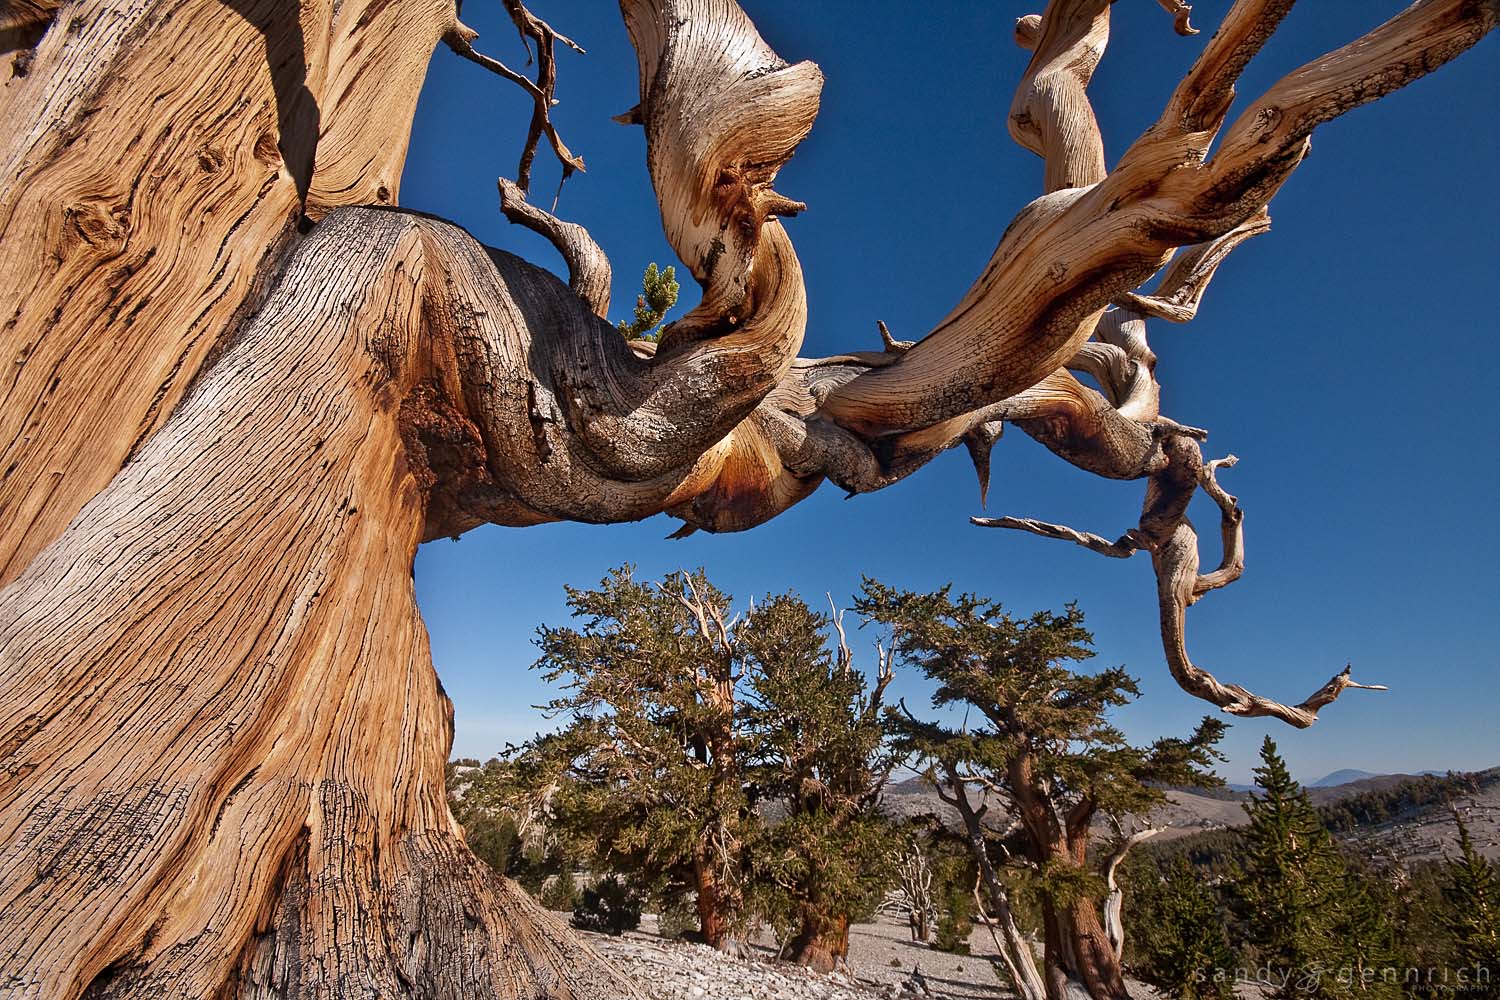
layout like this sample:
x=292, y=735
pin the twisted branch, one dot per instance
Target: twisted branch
x=589, y=272
x=724, y=427
x=1173, y=544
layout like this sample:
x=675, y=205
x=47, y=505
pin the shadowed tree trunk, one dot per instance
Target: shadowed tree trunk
x=236, y=403
x=1079, y=952
x=821, y=943
x=711, y=923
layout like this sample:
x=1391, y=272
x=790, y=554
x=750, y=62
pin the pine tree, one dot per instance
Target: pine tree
x=1314, y=928
x=1179, y=938
x=1036, y=740
x=560, y=894
x=732, y=759
x=1471, y=917
x=648, y=774
x=820, y=754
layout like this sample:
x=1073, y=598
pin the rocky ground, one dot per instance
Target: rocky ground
x=882, y=958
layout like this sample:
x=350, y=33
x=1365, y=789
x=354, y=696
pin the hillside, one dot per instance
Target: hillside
x=1400, y=816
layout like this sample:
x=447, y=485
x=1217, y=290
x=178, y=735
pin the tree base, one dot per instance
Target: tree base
x=222, y=742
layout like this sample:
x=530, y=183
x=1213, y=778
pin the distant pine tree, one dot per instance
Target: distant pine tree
x=1315, y=930
x=561, y=892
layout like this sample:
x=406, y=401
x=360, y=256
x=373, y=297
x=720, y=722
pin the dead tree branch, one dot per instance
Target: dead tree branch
x=542, y=90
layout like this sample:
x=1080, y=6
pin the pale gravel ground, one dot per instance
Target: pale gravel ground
x=675, y=970
x=671, y=970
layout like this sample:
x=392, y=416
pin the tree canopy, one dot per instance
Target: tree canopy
x=1035, y=738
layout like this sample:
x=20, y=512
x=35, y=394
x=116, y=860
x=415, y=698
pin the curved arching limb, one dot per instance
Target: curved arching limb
x=219, y=658
x=1073, y=251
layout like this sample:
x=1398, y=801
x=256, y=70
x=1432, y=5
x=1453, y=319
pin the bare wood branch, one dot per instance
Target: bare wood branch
x=1051, y=114
x=589, y=271
x=1178, y=583
x=1181, y=16
x=1232, y=530
x=460, y=39
x=1114, y=901
x=845, y=657
x=1410, y=45
x=1124, y=547
x=1180, y=293
x=1089, y=245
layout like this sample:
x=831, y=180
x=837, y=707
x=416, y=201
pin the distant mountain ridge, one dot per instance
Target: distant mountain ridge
x=1350, y=775
x=1343, y=777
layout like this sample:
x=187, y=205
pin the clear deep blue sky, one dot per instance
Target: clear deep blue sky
x=1347, y=357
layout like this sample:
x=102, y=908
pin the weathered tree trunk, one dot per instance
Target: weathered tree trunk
x=1078, y=955
x=221, y=739
x=822, y=942
x=713, y=917
x=231, y=784
x=233, y=407
x=1015, y=950
x=158, y=159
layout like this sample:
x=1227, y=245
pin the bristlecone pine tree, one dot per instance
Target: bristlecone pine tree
x=1036, y=740
x=650, y=770
x=1313, y=926
x=242, y=386
x=731, y=759
x=822, y=757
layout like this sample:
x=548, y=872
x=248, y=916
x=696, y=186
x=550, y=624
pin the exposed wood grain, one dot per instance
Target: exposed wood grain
x=232, y=783
x=235, y=405
x=157, y=160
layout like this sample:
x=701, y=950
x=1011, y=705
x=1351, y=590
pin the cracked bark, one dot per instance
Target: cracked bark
x=238, y=403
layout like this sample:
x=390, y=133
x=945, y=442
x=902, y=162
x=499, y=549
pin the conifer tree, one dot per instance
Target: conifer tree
x=1314, y=928
x=1180, y=942
x=734, y=759
x=1471, y=894
x=500, y=822
x=821, y=753
x=1035, y=737
x=648, y=772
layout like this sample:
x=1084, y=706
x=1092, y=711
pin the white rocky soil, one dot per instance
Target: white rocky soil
x=881, y=960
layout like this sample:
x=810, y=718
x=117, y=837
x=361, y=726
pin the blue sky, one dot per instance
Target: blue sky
x=1345, y=357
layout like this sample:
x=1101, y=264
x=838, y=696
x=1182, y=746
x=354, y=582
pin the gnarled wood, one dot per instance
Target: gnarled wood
x=236, y=405
x=181, y=816
x=158, y=158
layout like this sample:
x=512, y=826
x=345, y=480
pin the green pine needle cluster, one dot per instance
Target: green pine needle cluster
x=659, y=290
